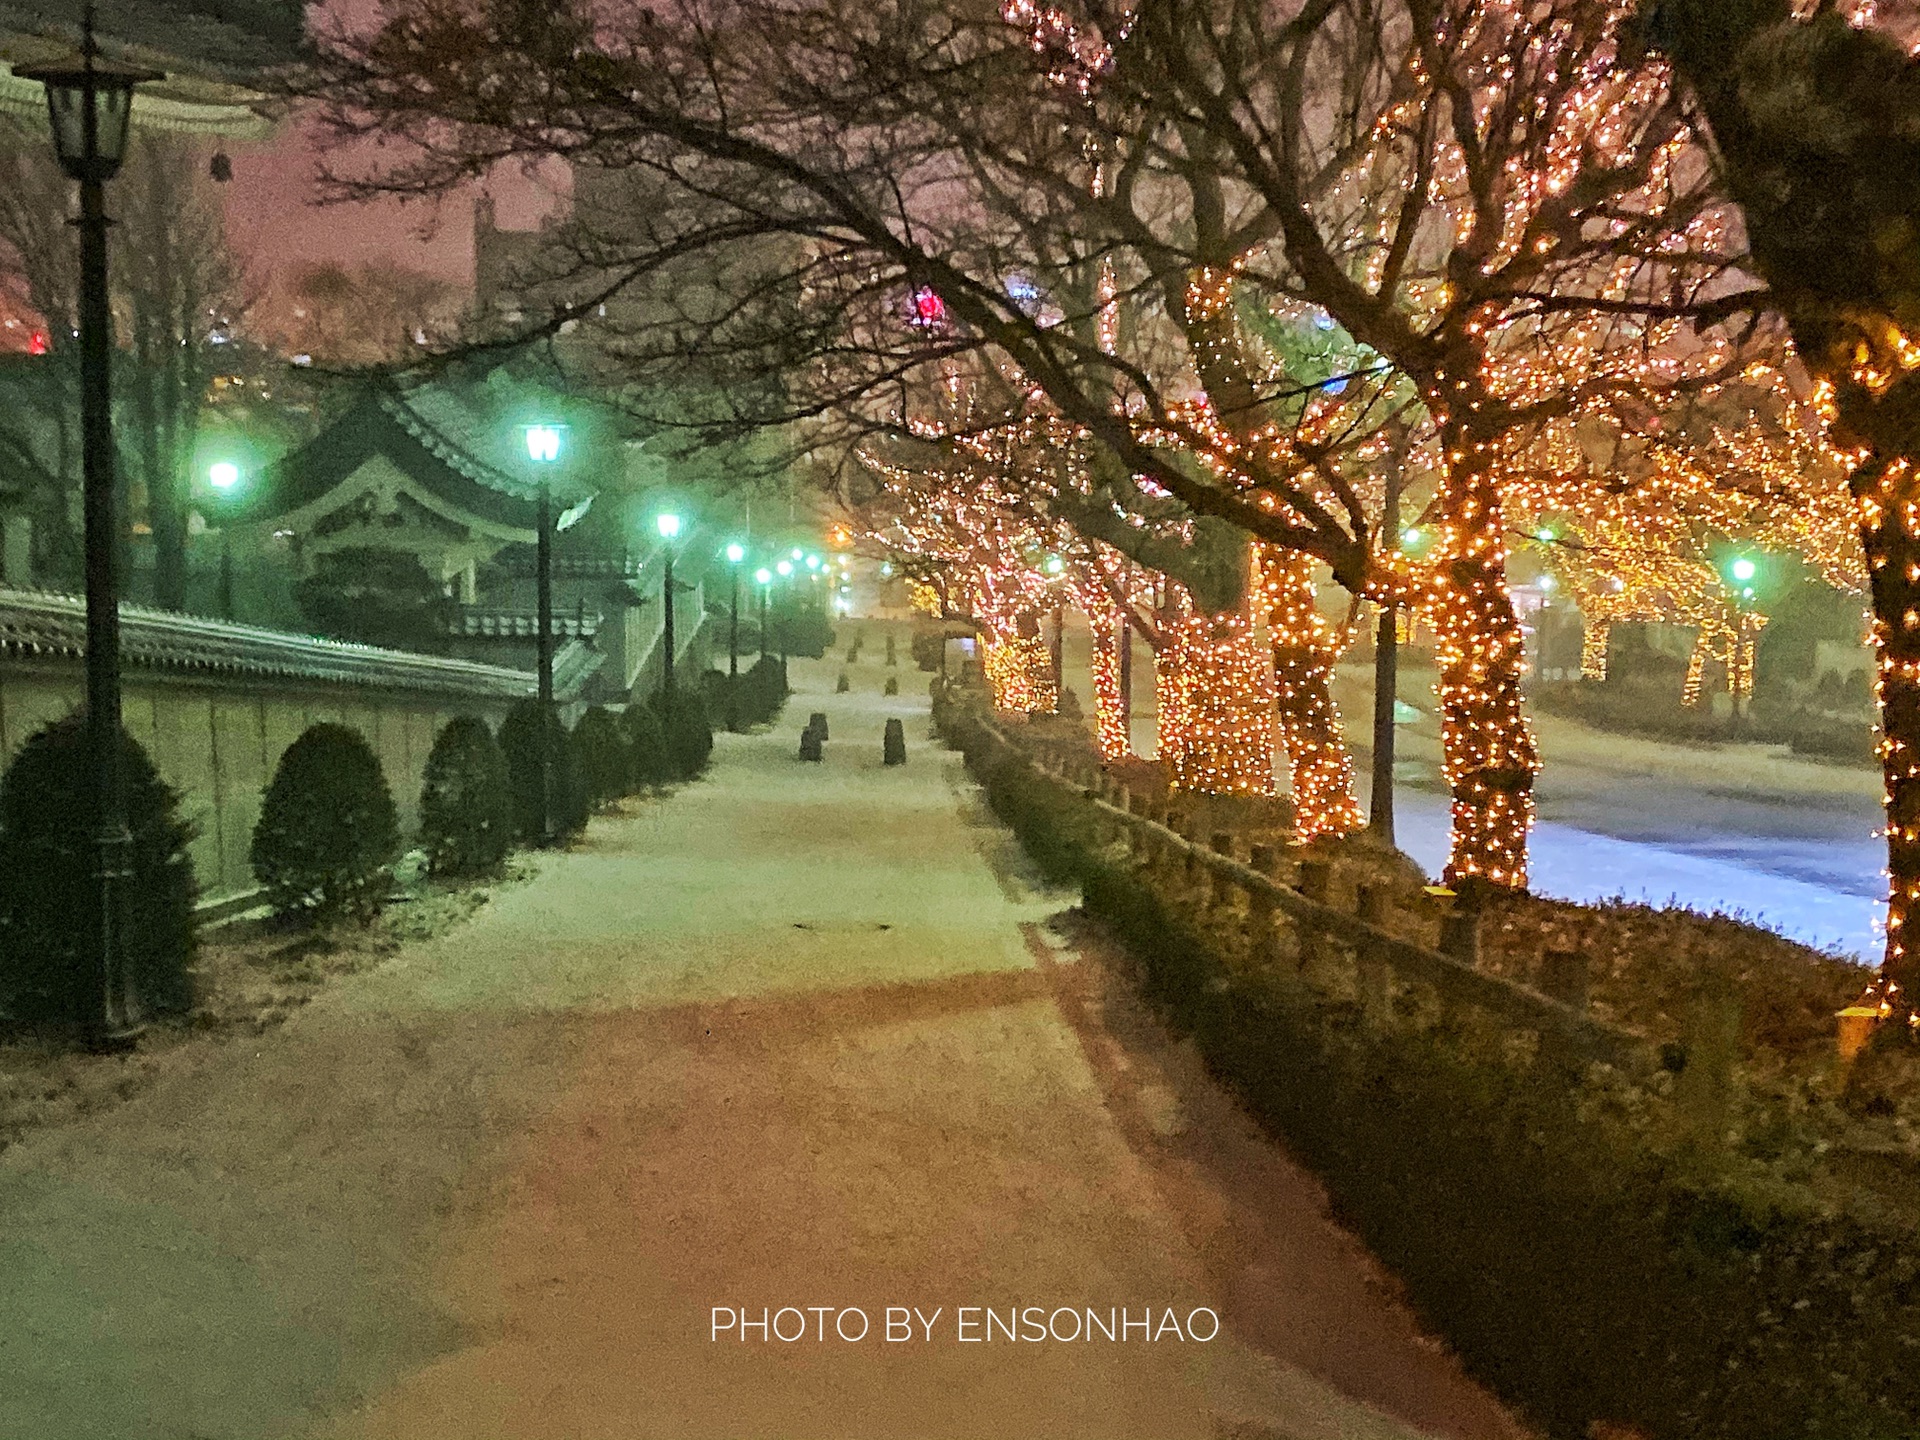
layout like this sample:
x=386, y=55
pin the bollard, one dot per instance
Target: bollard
x=817, y=722
x=1373, y=976
x=893, y=748
x=1564, y=976
x=810, y=746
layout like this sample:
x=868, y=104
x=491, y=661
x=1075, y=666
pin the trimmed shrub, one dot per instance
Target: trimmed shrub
x=466, y=804
x=48, y=887
x=520, y=741
x=327, y=830
x=646, y=745
x=808, y=633
x=893, y=748
x=892, y=687
x=604, y=757
x=893, y=656
x=689, y=736
x=843, y=684
x=761, y=692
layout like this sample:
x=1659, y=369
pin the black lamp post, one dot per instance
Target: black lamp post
x=543, y=448
x=224, y=477
x=669, y=526
x=89, y=102
x=763, y=577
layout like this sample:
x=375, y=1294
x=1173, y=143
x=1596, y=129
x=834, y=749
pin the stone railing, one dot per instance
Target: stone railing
x=1283, y=900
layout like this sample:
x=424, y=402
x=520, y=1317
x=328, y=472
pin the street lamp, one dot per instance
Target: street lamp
x=736, y=552
x=89, y=102
x=785, y=569
x=764, y=578
x=1742, y=570
x=544, y=444
x=669, y=527
x=224, y=477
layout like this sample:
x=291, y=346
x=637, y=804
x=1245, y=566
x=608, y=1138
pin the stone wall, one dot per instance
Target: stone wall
x=216, y=704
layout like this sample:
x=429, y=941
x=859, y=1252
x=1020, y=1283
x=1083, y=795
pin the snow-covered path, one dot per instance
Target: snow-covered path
x=798, y=1036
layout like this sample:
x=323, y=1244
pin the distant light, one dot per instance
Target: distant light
x=886, y=568
x=1410, y=536
x=223, y=474
x=1546, y=584
x=763, y=575
x=1547, y=534
x=736, y=552
x=795, y=553
x=303, y=359
x=1055, y=565
x=785, y=567
x=669, y=526
x=543, y=444
x=813, y=562
x=1743, y=569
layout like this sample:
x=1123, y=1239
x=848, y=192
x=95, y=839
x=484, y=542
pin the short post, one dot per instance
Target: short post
x=1223, y=884
x=1460, y=931
x=1260, y=911
x=1316, y=884
x=1564, y=976
x=1704, y=1089
x=1373, y=976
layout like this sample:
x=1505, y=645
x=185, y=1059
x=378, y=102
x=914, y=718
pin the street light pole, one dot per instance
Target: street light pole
x=89, y=104
x=543, y=448
x=224, y=476
x=543, y=647
x=669, y=526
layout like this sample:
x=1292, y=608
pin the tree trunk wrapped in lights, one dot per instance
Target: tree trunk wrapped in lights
x=1109, y=698
x=1019, y=671
x=1488, y=753
x=1215, y=689
x=1305, y=647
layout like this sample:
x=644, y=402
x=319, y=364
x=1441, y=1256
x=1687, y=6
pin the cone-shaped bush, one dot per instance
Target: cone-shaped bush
x=520, y=741
x=466, y=805
x=327, y=830
x=48, y=893
x=689, y=735
x=646, y=745
x=604, y=756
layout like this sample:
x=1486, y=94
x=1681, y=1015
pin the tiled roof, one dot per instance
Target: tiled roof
x=35, y=625
x=230, y=39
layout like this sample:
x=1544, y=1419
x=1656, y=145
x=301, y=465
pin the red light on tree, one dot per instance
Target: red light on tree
x=37, y=343
x=928, y=308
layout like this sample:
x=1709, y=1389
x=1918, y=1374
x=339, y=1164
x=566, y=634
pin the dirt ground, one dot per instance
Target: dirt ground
x=797, y=1036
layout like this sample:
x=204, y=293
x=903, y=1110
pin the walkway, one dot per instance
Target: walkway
x=798, y=1036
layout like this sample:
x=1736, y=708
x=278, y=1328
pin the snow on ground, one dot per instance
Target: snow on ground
x=1574, y=864
x=1745, y=830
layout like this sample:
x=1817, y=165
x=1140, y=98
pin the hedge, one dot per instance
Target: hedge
x=48, y=889
x=327, y=830
x=603, y=754
x=520, y=742
x=466, y=802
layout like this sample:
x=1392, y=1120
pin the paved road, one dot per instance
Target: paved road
x=798, y=1036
